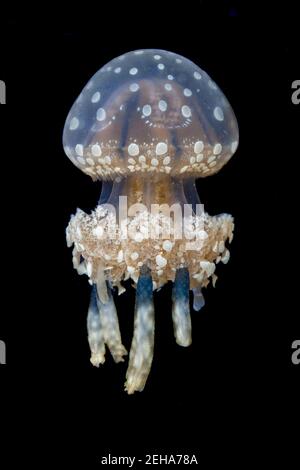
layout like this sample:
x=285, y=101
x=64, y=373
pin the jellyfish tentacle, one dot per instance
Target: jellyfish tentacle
x=181, y=308
x=110, y=326
x=95, y=331
x=198, y=301
x=141, y=352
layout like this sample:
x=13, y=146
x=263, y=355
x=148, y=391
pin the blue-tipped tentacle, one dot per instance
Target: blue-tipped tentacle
x=141, y=352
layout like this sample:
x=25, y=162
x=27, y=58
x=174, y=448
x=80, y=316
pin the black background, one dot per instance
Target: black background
x=233, y=393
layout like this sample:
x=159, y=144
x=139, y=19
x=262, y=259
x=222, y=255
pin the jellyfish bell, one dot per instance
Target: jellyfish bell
x=148, y=124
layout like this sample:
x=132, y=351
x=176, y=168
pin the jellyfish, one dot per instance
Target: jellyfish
x=148, y=124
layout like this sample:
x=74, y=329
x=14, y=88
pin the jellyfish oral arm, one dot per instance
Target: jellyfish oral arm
x=151, y=260
x=142, y=258
x=103, y=329
x=95, y=331
x=181, y=308
x=141, y=353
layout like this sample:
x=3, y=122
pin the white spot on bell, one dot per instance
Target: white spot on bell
x=197, y=76
x=161, y=148
x=147, y=110
x=96, y=150
x=218, y=113
x=162, y=105
x=186, y=111
x=187, y=92
x=101, y=114
x=79, y=150
x=118, y=70
x=217, y=149
x=134, y=87
x=74, y=123
x=133, y=150
x=161, y=66
x=157, y=57
x=168, y=87
x=133, y=71
x=234, y=146
x=199, y=146
x=170, y=77
x=96, y=97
